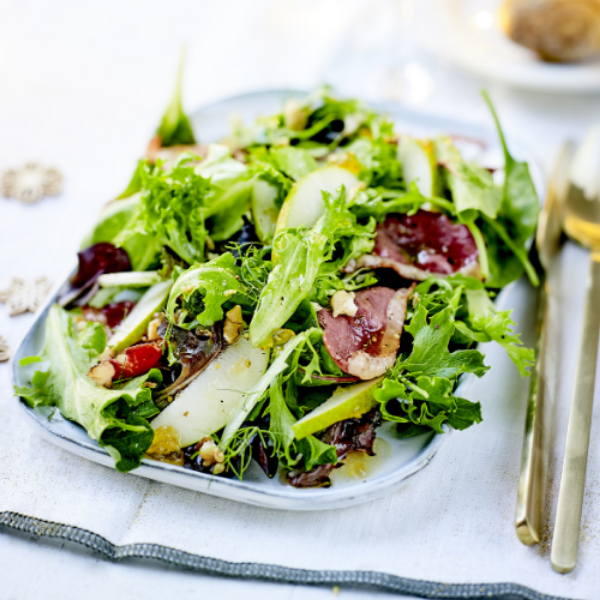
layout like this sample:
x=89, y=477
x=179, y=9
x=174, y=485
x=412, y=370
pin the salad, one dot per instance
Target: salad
x=277, y=296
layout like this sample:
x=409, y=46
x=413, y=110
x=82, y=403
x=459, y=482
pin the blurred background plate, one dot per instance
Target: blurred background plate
x=468, y=33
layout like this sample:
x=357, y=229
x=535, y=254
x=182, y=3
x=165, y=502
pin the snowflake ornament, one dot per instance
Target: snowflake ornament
x=23, y=296
x=4, y=350
x=30, y=183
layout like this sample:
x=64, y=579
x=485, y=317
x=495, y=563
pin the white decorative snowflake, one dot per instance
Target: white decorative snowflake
x=23, y=296
x=30, y=183
x=4, y=350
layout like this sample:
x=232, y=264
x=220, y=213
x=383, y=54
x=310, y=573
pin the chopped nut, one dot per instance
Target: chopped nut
x=152, y=331
x=149, y=384
x=316, y=306
x=210, y=453
x=102, y=374
x=234, y=324
x=294, y=116
x=342, y=303
x=218, y=469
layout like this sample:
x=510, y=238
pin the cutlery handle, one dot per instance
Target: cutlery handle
x=531, y=493
x=570, y=496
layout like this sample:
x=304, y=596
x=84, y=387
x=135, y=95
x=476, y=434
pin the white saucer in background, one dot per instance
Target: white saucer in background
x=467, y=33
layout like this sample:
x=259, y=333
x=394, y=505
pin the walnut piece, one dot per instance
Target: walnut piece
x=102, y=373
x=234, y=324
x=210, y=454
x=152, y=331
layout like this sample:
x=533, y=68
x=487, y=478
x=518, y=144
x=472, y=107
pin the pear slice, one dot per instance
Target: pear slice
x=129, y=279
x=348, y=402
x=207, y=403
x=135, y=323
x=304, y=205
x=264, y=210
x=419, y=165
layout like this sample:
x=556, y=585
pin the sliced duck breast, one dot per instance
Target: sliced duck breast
x=365, y=345
x=416, y=246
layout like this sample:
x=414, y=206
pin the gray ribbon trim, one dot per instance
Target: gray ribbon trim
x=371, y=580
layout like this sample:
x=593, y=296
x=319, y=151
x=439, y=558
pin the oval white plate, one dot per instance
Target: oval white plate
x=467, y=33
x=404, y=459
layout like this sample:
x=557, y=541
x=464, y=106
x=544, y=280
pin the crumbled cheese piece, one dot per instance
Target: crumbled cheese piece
x=342, y=303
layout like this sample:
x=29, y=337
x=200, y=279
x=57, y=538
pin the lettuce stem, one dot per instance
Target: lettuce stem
x=518, y=252
x=481, y=248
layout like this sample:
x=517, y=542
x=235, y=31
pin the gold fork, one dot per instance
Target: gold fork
x=581, y=222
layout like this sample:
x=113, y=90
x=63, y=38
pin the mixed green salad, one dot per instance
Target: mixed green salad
x=278, y=295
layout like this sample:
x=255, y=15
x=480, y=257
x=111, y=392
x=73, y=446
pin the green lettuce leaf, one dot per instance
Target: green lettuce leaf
x=314, y=452
x=294, y=162
x=303, y=256
x=309, y=452
x=116, y=418
x=507, y=235
x=520, y=204
x=430, y=355
x=476, y=317
x=486, y=324
x=230, y=192
x=175, y=127
x=212, y=283
x=93, y=338
x=171, y=208
x=418, y=393
x=474, y=192
x=379, y=161
x=117, y=225
x=425, y=404
x=380, y=202
x=180, y=205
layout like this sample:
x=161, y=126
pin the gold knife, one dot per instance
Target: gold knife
x=531, y=492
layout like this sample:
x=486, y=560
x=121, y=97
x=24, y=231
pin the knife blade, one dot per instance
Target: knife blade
x=531, y=492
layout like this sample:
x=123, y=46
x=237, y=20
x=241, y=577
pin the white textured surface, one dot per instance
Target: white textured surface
x=82, y=86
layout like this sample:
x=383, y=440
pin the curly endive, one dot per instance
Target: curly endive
x=559, y=30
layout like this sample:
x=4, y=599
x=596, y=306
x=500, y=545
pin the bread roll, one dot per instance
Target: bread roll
x=559, y=30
